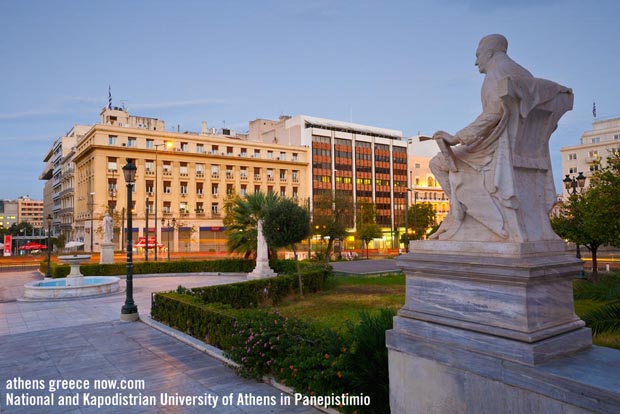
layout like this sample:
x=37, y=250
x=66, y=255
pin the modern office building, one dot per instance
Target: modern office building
x=8, y=213
x=30, y=211
x=21, y=210
x=181, y=176
x=592, y=151
x=364, y=163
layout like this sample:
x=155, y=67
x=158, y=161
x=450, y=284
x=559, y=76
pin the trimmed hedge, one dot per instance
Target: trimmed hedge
x=311, y=359
x=224, y=265
x=210, y=323
x=252, y=293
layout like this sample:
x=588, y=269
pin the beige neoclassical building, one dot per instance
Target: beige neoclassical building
x=592, y=151
x=185, y=176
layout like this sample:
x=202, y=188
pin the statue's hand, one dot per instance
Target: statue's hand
x=450, y=139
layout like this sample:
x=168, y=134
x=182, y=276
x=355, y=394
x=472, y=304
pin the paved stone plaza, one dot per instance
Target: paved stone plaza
x=83, y=339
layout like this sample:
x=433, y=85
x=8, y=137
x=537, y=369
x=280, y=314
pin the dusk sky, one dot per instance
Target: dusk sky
x=406, y=65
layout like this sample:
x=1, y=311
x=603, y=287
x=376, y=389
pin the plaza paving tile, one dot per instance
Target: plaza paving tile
x=83, y=339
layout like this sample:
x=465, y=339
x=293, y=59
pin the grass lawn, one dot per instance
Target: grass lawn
x=345, y=298
x=348, y=296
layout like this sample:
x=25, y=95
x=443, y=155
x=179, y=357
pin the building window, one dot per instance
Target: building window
x=229, y=189
x=183, y=188
x=183, y=208
x=256, y=188
x=112, y=164
x=243, y=172
x=200, y=208
x=131, y=142
x=256, y=153
x=112, y=139
x=167, y=187
x=282, y=175
x=282, y=156
x=215, y=209
x=269, y=155
x=167, y=207
x=215, y=171
x=269, y=174
x=184, y=146
x=229, y=151
x=244, y=190
x=593, y=154
x=214, y=149
x=183, y=169
x=214, y=190
x=572, y=170
x=149, y=165
x=244, y=152
x=149, y=187
x=596, y=140
x=572, y=157
x=200, y=148
x=282, y=191
x=150, y=143
x=200, y=170
x=199, y=189
x=416, y=165
x=617, y=137
x=167, y=167
x=295, y=157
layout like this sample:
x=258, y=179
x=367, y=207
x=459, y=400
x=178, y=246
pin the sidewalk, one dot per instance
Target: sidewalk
x=82, y=339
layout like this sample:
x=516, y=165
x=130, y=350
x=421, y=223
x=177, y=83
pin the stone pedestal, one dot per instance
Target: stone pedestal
x=261, y=271
x=480, y=320
x=107, y=253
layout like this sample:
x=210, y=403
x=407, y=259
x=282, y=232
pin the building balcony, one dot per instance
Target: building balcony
x=257, y=177
x=199, y=195
x=230, y=176
x=167, y=173
x=244, y=177
x=593, y=160
x=200, y=174
x=149, y=172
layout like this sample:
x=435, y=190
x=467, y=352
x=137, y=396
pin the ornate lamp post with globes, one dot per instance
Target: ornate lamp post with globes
x=129, y=311
x=574, y=186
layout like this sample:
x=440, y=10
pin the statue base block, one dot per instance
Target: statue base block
x=261, y=271
x=107, y=253
x=491, y=328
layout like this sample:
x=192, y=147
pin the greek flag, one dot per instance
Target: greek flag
x=109, y=97
x=594, y=109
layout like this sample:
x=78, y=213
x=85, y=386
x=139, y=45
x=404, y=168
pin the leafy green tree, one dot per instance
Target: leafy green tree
x=421, y=217
x=592, y=218
x=332, y=215
x=22, y=229
x=286, y=224
x=241, y=220
x=367, y=232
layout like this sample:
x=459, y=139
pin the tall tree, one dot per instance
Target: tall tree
x=286, y=224
x=421, y=217
x=592, y=219
x=367, y=232
x=241, y=220
x=332, y=215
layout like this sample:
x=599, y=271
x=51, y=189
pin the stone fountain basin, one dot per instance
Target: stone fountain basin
x=58, y=289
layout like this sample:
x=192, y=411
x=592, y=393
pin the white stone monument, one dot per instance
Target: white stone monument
x=262, y=269
x=107, y=247
x=489, y=300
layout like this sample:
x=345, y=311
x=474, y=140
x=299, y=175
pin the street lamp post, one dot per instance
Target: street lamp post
x=129, y=311
x=146, y=238
x=163, y=222
x=49, y=246
x=92, y=213
x=415, y=201
x=574, y=186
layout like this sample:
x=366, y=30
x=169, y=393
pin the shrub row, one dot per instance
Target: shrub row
x=224, y=266
x=210, y=323
x=312, y=360
x=252, y=293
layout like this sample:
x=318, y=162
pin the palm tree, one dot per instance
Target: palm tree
x=607, y=317
x=241, y=220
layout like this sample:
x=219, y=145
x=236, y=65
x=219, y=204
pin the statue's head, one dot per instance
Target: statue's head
x=489, y=46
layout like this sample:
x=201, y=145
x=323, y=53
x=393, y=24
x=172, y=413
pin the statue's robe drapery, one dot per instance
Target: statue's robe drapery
x=484, y=183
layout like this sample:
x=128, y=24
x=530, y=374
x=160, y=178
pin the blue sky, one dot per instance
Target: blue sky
x=406, y=65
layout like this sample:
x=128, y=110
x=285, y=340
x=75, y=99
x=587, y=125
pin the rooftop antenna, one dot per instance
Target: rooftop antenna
x=123, y=105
